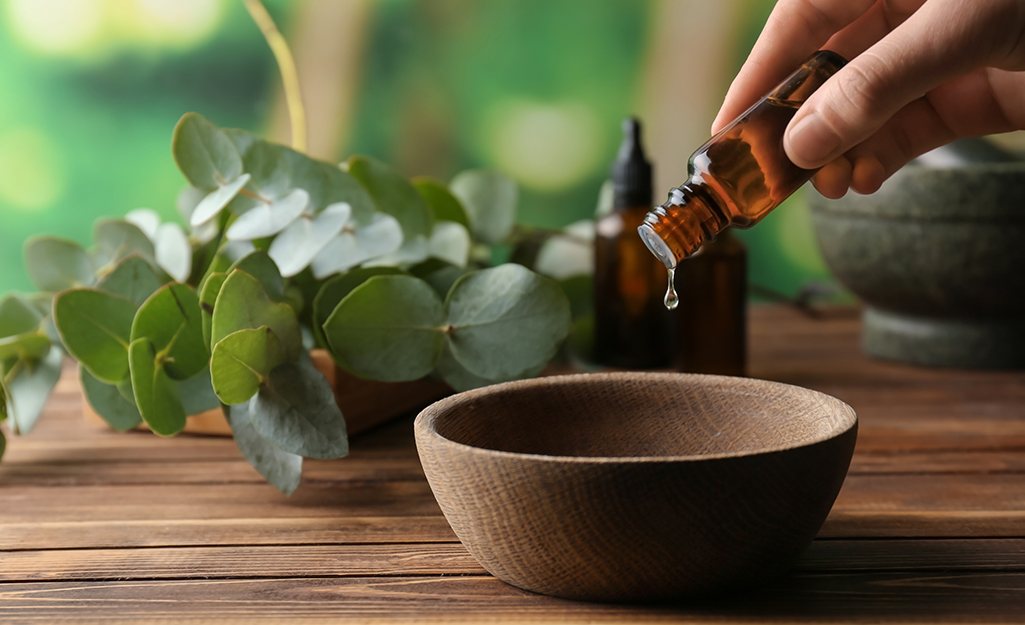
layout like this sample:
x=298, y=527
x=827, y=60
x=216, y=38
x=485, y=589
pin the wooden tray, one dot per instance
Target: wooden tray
x=365, y=403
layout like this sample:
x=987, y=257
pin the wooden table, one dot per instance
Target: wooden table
x=98, y=526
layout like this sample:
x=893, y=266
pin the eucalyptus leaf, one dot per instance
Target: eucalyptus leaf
x=117, y=238
x=187, y=201
x=393, y=194
x=107, y=401
x=27, y=345
x=56, y=264
x=297, y=412
x=294, y=248
x=261, y=266
x=204, y=153
x=489, y=198
x=173, y=251
x=124, y=387
x=282, y=469
x=145, y=219
x=454, y=374
x=95, y=327
x=156, y=395
x=327, y=184
x=30, y=387
x=334, y=291
x=265, y=162
x=18, y=316
x=357, y=244
x=507, y=310
x=412, y=252
x=450, y=242
x=172, y=321
x=270, y=218
x=133, y=279
x=390, y=328
x=439, y=274
x=570, y=254
x=242, y=361
x=197, y=393
x=208, y=291
x=211, y=205
x=444, y=206
x=3, y=443
x=242, y=304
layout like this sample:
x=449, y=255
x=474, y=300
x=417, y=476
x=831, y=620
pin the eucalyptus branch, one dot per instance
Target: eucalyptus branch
x=286, y=65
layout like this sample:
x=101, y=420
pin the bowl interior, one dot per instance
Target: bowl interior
x=641, y=415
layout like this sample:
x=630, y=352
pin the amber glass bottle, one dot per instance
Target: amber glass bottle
x=711, y=319
x=632, y=327
x=741, y=173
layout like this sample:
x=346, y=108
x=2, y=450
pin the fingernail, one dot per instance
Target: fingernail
x=812, y=141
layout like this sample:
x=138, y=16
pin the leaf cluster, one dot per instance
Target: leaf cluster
x=282, y=253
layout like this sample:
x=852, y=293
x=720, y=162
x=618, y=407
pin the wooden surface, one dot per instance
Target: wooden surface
x=636, y=487
x=97, y=526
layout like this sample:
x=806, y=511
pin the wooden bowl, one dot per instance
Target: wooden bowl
x=636, y=487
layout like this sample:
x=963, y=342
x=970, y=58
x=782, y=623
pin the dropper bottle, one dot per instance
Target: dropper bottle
x=740, y=174
x=633, y=330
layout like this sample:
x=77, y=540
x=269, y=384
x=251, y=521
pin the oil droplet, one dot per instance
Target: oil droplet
x=671, y=300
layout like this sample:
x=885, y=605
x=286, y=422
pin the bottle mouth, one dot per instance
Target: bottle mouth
x=656, y=245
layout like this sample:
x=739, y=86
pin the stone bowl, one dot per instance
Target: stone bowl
x=938, y=257
x=636, y=487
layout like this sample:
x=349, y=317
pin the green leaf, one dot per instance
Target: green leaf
x=125, y=388
x=116, y=239
x=146, y=219
x=208, y=292
x=56, y=264
x=173, y=251
x=269, y=218
x=107, y=401
x=212, y=205
x=197, y=393
x=327, y=184
x=30, y=387
x=450, y=242
x=156, y=395
x=334, y=291
x=456, y=375
x=243, y=305
x=26, y=346
x=282, y=469
x=204, y=153
x=242, y=361
x=133, y=279
x=18, y=316
x=567, y=255
x=172, y=321
x=389, y=328
x=444, y=206
x=3, y=443
x=261, y=266
x=439, y=274
x=294, y=248
x=393, y=194
x=489, y=198
x=357, y=244
x=508, y=311
x=95, y=327
x=297, y=412
x=265, y=162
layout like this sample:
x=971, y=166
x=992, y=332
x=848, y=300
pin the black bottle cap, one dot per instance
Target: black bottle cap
x=631, y=172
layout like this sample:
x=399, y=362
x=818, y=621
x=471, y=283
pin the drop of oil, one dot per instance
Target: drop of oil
x=671, y=299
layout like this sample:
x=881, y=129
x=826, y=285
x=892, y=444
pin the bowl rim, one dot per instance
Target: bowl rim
x=425, y=424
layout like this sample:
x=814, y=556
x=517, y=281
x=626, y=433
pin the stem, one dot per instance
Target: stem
x=286, y=65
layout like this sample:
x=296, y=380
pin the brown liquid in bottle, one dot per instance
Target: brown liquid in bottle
x=740, y=174
x=633, y=329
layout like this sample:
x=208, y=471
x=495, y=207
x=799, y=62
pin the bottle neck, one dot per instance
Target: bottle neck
x=683, y=224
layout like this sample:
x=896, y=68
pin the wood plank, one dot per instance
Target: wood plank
x=237, y=562
x=924, y=524
x=38, y=535
x=938, y=462
x=347, y=560
x=837, y=598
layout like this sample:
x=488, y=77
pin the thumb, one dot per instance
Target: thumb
x=857, y=101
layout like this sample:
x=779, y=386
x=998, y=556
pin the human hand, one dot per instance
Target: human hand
x=923, y=73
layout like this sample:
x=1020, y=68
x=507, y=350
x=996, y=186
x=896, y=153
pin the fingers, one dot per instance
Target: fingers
x=795, y=29
x=927, y=50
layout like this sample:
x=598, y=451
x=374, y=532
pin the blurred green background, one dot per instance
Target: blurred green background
x=536, y=88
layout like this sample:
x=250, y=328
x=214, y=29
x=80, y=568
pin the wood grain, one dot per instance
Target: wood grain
x=101, y=527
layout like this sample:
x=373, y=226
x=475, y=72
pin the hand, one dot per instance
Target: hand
x=922, y=74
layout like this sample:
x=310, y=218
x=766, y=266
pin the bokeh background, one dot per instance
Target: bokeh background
x=90, y=91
